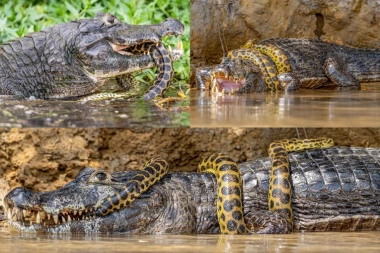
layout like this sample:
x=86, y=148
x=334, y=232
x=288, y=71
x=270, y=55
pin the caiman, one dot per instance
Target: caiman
x=74, y=59
x=333, y=189
x=290, y=64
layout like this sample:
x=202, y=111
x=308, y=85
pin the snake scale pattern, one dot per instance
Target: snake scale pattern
x=226, y=171
x=153, y=171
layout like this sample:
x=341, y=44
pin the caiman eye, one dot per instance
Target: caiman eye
x=101, y=176
x=111, y=19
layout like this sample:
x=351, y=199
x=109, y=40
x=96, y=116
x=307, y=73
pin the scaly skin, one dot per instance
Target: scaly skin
x=280, y=190
x=267, y=68
x=165, y=72
x=74, y=59
x=306, y=63
x=229, y=203
x=153, y=171
x=333, y=189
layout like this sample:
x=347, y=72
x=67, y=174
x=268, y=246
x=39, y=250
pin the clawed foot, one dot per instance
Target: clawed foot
x=267, y=222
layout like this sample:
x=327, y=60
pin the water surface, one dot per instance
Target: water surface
x=297, y=242
x=302, y=108
x=118, y=113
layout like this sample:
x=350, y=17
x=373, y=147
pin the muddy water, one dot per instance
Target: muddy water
x=297, y=242
x=116, y=113
x=303, y=108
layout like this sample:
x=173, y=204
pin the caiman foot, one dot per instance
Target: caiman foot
x=267, y=222
x=288, y=81
x=336, y=72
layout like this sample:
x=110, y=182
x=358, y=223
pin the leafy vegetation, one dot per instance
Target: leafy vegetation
x=19, y=17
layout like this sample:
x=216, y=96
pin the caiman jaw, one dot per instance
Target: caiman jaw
x=226, y=84
x=37, y=215
x=136, y=49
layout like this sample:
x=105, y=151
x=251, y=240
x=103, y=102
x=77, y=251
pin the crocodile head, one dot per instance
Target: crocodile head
x=72, y=208
x=75, y=58
x=230, y=76
x=105, y=38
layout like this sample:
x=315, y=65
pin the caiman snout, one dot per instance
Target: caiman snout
x=172, y=27
x=21, y=198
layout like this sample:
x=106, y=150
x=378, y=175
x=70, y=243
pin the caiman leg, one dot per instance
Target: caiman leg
x=267, y=68
x=164, y=71
x=153, y=171
x=229, y=201
x=280, y=195
x=334, y=70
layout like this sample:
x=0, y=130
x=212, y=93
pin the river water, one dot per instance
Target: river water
x=302, y=108
x=119, y=113
x=296, y=242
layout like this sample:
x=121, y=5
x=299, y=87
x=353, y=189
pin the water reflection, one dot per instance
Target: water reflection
x=297, y=242
x=303, y=108
x=116, y=113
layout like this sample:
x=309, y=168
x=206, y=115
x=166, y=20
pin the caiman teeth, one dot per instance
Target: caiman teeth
x=38, y=219
x=179, y=45
x=55, y=217
x=38, y=216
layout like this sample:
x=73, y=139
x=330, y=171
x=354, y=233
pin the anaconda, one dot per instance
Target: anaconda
x=74, y=59
x=290, y=64
x=333, y=189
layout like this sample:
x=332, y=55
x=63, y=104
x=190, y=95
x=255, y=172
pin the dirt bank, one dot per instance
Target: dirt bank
x=46, y=159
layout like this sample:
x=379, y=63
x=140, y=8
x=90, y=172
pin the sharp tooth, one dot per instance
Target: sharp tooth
x=75, y=212
x=9, y=214
x=80, y=212
x=55, y=217
x=49, y=216
x=63, y=219
x=14, y=211
x=69, y=218
x=24, y=213
x=19, y=214
x=38, y=219
x=179, y=45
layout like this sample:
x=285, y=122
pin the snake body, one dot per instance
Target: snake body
x=153, y=171
x=229, y=201
x=280, y=190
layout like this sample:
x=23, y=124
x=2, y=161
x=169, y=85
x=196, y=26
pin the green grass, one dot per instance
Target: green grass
x=18, y=17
